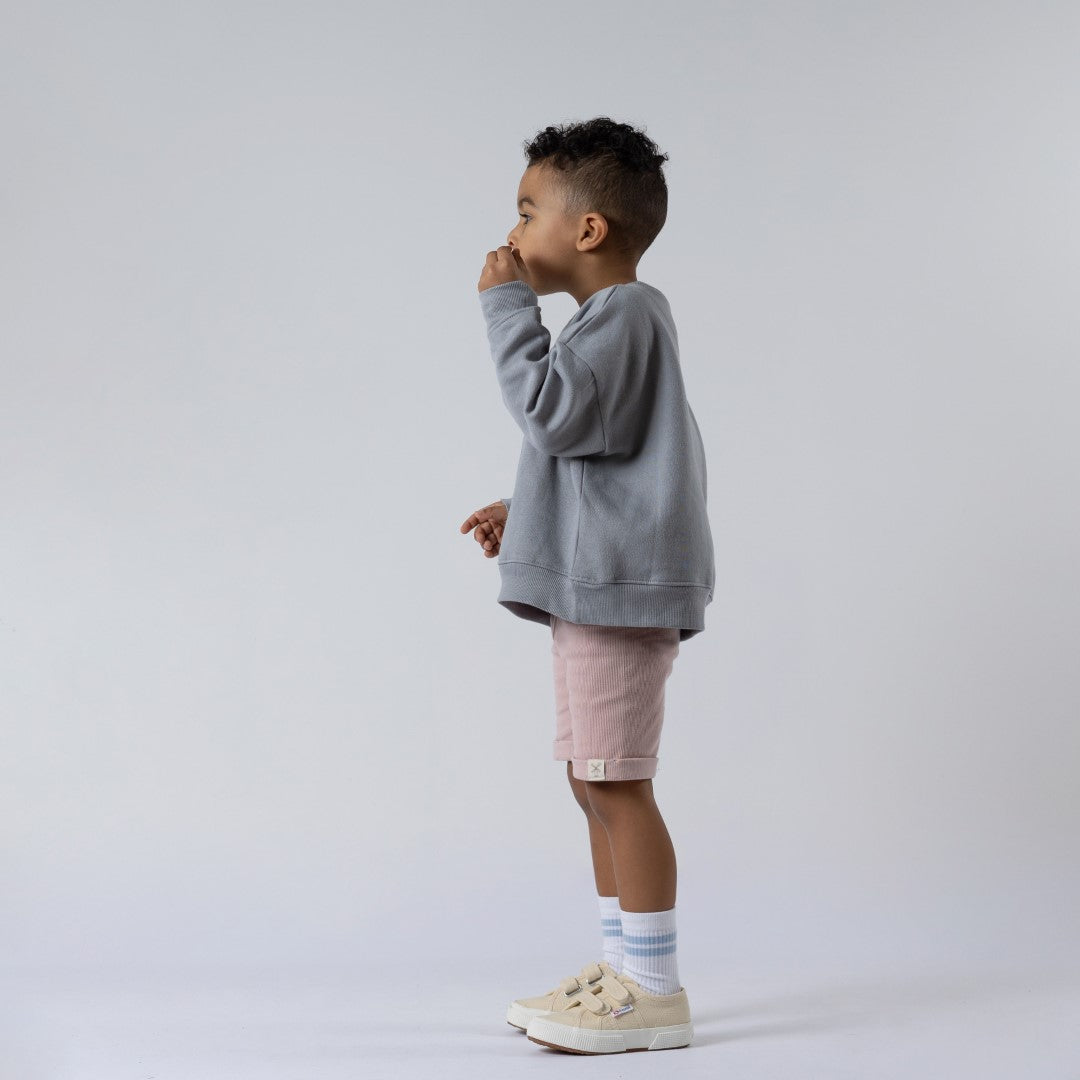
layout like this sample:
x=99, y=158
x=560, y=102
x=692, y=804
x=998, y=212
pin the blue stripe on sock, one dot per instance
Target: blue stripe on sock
x=649, y=939
x=663, y=950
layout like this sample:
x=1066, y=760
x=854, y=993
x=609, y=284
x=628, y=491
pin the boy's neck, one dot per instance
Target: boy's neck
x=593, y=282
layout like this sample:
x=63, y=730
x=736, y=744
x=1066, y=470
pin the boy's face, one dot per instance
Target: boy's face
x=545, y=236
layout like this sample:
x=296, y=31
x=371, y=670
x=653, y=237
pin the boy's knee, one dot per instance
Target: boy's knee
x=607, y=797
x=579, y=788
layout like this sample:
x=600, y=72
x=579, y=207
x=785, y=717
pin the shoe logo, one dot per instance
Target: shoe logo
x=619, y=1012
x=596, y=768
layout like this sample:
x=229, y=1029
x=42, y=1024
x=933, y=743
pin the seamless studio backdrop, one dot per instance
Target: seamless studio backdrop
x=260, y=709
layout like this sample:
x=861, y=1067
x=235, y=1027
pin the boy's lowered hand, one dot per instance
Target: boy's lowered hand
x=502, y=265
x=488, y=525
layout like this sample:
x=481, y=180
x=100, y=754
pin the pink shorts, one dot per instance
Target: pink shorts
x=609, y=697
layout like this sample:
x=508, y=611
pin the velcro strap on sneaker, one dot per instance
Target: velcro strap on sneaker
x=603, y=997
x=589, y=975
x=612, y=988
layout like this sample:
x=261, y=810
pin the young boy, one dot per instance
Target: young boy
x=608, y=544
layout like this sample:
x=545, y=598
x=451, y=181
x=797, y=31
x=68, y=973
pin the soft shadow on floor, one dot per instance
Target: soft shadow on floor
x=866, y=1002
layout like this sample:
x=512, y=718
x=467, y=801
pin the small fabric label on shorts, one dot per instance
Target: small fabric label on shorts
x=596, y=768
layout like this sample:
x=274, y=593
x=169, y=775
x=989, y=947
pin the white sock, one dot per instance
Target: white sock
x=649, y=950
x=611, y=929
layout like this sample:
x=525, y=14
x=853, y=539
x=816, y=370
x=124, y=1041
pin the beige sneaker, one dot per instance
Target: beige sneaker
x=614, y=1015
x=523, y=1010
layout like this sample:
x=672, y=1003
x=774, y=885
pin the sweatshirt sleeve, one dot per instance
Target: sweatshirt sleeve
x=565, y=397
x=506, y=503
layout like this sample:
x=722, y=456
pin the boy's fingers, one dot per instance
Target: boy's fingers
x=472, y=521
x=480, y=520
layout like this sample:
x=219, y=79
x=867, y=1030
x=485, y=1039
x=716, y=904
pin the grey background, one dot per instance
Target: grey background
x=260, y=710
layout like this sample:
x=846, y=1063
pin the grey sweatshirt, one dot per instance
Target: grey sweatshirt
x=609, y=523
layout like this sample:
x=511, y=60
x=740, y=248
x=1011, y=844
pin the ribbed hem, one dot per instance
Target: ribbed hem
x=650, y=950
x=535, y=593
x=611, y=930
x=499, y=300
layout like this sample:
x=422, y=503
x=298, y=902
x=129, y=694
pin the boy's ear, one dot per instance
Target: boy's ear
x=593, y=231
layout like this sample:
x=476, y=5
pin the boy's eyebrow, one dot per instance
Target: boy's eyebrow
x=526, y=199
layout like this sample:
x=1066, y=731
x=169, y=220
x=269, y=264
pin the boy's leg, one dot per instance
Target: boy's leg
x=645, y=870
x=604, y=873
x=603, y=867
x=640, y=845
x=610, y=686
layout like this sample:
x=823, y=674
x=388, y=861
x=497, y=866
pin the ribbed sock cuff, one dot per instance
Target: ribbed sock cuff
x=611, y=931
x=649, y=950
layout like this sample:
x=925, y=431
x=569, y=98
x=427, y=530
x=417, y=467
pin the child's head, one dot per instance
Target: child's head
x=590, y=203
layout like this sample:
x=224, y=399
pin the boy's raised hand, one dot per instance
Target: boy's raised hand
x=488, y=524
x=502, y=265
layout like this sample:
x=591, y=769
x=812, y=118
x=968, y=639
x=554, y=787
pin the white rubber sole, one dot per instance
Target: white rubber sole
x=583, y=1041
x=520, y=1015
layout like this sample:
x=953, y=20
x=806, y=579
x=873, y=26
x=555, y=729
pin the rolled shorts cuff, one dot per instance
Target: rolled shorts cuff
x=635, y=768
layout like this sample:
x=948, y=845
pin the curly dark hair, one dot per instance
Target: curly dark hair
x=610, y=168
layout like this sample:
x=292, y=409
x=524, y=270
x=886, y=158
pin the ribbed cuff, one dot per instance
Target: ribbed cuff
x=500, y=300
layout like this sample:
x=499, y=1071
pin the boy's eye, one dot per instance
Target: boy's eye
x=523, y=215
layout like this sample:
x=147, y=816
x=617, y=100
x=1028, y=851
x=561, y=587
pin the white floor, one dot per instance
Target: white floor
x=291, y=1025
